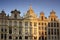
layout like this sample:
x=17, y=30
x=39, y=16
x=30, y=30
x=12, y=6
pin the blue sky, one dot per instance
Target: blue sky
x=38, y=5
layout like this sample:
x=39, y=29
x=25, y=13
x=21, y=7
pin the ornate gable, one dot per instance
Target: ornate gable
x=30, y=14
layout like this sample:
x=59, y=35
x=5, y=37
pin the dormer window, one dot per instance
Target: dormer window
x=15, y=16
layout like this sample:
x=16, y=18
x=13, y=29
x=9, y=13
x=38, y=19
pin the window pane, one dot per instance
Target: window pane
x=35, y=37
x=54, y=31
x=26, y=23
x=30, y=23
x=5, y=36
x=38, y=23
x=57, y=31
x=10, y=23
x=15, y=23
x=48, y=24
x=10, y=30
x=16, y=38
x=51, y=24
x=48, y=31
x=35, y=24
x=20, y=31
x=51, y=31
x=10, y=37
x=26, y=37
x=20, y=23
x=20, y=37
x=54, y=24
x=57, y=24
x=2, y=29
x=1, y=36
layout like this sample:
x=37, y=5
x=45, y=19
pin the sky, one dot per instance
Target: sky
x=38, y=6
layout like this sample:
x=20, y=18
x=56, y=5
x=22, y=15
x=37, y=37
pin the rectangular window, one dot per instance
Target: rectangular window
x=30, y=23
x=15, y=23
x=57, y=31
x=48, y=31
x=26, y=37
x=2, y=29
x=1, y=36
x=42, y=37
x=54, y=24
x=51, y=31
x=51, y=24
x=39, y=27
x=10, y=30
x=26, y=31
x=16, y=37
x=35, y=38
x=20, y=31
x=45, y=33
x=5, y=30
x=10, y=37
x=45, y=38
x=45, y=23
x=38, y=23
x=35, y=24
x=30, y=31
x=26, y=23
x=20, y=23
x=57, y=24
x=5, y=36
x=35, y=31
x=10, y=23
x=42, y=23
x=48, y=24
x=20, y=37
x=54, y=31
x=49, y=37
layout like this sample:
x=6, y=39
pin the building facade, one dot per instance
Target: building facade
x=29, y=27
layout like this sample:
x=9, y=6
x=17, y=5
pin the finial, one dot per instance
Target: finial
x=42, y=12
x=3, y=11
x=8, y=15
x=15, y=10
x=30, y=6
x=52, y=10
